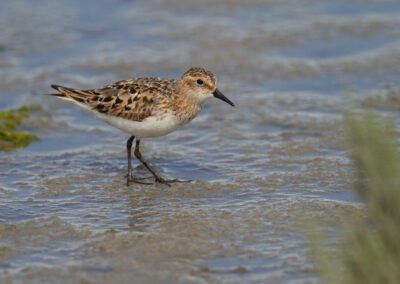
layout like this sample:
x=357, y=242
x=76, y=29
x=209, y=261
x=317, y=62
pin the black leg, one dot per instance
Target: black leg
x=129, y=150
x=139, y=156
x=130, y=177
x=157, y=177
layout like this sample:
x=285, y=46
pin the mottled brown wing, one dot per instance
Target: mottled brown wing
x=129, y=101
x=133, y=99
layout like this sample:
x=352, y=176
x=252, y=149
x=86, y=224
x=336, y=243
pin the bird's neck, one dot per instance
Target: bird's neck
x=185, y=107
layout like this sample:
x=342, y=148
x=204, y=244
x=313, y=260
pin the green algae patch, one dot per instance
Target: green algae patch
x=11, y=139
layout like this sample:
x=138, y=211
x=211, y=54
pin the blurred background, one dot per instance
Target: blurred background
x=278, y=156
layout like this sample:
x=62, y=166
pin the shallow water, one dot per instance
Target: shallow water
x=258, y=169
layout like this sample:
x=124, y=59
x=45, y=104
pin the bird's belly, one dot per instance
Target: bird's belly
x=149, y=127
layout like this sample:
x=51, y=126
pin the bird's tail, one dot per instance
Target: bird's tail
x=73, y=95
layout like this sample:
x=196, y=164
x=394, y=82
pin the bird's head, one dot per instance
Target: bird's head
x=199, y=85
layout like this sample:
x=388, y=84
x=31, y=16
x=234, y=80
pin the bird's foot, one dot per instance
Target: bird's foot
x=169, y=181
x=137, y=180
x=158, y=179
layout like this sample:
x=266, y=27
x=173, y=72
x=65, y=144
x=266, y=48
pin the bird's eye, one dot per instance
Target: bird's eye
x=200, y=82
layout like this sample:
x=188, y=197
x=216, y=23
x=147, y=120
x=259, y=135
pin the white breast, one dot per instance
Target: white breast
x=149, y=127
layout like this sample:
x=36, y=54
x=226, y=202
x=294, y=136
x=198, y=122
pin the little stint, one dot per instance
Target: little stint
x=147, y=107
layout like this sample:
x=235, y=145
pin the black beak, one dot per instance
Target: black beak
x=221, y=96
